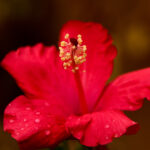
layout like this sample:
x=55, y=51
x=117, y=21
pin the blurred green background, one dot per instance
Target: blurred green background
x=26, y=22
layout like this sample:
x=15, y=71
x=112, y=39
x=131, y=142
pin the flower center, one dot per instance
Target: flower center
x=72, y=52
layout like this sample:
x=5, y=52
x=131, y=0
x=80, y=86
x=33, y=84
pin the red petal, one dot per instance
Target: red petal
x=35, y=123
x=39, y=72
x=100, y=55
x=127, y=92
x=100, y=128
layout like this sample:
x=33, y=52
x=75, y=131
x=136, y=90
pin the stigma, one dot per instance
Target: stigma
x=72, y=52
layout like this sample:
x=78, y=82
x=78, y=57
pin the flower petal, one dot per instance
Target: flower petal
x=100, y=128
x=127, y=92
x=29, y=121
x=100, y=55
x=40, y=74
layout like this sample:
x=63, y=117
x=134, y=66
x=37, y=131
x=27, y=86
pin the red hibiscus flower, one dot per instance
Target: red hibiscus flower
x=65, y=92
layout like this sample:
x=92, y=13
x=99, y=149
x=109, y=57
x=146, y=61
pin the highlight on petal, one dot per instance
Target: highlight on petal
x=100, y=54
x=127, y=92
x=35, y=123
x=100, y=128
x=40, y=74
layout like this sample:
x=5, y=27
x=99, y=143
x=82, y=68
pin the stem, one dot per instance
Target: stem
x=83, y=104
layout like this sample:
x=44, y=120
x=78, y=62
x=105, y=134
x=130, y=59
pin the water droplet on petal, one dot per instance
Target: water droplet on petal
x=22, y=129
x=107, y=137
x=37, y=120
x=9, y=105
x=116, y=135
x=46, y=104
x=11, y=120
x=28, y=108
x=24, y=119
x=107, y=126
x=37, y=113
x=47, y=132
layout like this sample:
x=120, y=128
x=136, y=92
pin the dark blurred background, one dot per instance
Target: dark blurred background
x=27, y=22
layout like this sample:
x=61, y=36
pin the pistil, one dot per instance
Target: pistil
x=83, y=104
x=73, y=53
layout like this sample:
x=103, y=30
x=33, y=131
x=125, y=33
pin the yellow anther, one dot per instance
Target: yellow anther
x=80, y=57
x=84, y=48
x=77, y=61
x=83, y=60
x=64, y=64
x=63, y=58
x=60, y=55
x=79, y=36
x=79, y=41
x=73, y=70
x=76, y=68
x=63, y=43
x=74, y=47
x=84, y=70
x=68, y=64
x=67, y=36
x=68, y=54
x=70, y=61
x=60, y=48
x=75, y=57
x=72, y=54
x=84, y=55
x=67, y=57
x=61, y=52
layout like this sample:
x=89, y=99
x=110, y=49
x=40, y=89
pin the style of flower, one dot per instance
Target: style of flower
x=65, y=91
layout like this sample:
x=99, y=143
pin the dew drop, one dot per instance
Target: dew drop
x=46, y=104
x=9, y=105
x=107, y=126
x=116, y=135
x=37, y=120
x=47, y=132
x=107, y=137
x=24, y=119
x=28, y=108
x=11, y=120
x=37, y=113
x=22, y=129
